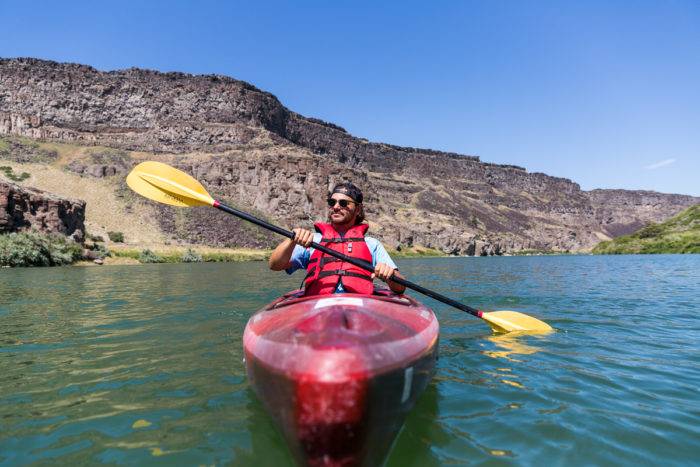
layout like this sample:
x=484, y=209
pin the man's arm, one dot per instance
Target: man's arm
x=384, y=267
x=279, y=259
x=384, y=271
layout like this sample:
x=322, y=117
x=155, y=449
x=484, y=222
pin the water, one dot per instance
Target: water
x=143, y=365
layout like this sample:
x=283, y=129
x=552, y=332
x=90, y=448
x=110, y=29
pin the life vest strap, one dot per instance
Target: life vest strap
x=329, y=259
x=342, y=272
x=310, y=273
x=342, y=240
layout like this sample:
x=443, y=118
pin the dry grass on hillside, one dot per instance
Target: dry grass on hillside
x=105, y=212
x=110, y=205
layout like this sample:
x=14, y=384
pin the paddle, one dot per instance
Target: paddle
x=165, y=184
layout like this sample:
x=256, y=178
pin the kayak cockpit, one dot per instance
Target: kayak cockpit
x=380, y=293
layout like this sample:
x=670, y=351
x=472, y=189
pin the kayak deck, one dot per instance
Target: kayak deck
x=339, y=373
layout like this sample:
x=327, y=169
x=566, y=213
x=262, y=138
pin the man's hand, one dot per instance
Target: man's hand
x=383, y=271
x=303, y=237
x=279, y=259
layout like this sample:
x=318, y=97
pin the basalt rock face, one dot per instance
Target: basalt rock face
x=246, y=146
x=622, y=212
x=24, y=209
x=102, y=164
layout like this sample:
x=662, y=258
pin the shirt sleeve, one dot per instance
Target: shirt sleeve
x=379, y=253
x=300, y=256
x=299, y=260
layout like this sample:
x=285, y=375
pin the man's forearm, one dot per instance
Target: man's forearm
x=279, y=259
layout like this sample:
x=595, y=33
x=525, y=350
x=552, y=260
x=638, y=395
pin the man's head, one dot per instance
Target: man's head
x=345, y=205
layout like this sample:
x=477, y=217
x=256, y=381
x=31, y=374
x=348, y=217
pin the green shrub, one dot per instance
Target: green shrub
x=133, y=254
x=102, y=251
x=650, y=231
x=147, y=256
x=191, y=256
x=403, y=251
x=95, y=238
x=177, y=257
x=116, y=237
x=36, y=249
x=223, y=257
x=15, y=178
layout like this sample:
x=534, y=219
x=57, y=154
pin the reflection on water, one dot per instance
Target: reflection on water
x=143, y=364
x=510, y=345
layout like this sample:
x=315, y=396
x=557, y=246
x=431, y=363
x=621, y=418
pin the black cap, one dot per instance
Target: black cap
x=348, y=189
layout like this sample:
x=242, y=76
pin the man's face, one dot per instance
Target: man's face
x=339, y=214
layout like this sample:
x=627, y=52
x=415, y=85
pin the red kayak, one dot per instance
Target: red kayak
x=339, y=373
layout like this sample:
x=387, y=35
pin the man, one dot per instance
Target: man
x=345, y=233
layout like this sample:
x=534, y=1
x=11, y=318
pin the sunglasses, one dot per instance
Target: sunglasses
x=342, y=202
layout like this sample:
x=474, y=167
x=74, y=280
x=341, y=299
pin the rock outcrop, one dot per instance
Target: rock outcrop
x=622, y=212
x=25, y=209
x=102, y=164
x=246, y=146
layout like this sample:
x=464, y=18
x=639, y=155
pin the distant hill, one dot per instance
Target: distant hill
x=679, y=234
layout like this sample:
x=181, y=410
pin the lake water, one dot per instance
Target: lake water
x=143, y=364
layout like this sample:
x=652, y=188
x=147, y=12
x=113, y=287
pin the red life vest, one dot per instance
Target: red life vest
x=324, y=271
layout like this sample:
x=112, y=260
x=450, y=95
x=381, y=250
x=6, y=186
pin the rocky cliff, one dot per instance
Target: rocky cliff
x=26, y=209
x=246, y=146
x=621, y=212
x=679, y=234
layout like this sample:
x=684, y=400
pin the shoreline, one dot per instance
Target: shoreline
x=130, y=257
x=123, y=254
x=98, y=253
x=133, y=254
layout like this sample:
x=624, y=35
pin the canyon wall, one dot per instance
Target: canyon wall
x=248, y=148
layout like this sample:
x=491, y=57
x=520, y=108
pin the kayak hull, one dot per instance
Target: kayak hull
x=339, y=373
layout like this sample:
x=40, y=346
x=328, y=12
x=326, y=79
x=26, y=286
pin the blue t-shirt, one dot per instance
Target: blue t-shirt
x=300, y=256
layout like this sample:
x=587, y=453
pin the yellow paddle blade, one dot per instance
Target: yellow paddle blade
x=168, y=185
x=508, y=321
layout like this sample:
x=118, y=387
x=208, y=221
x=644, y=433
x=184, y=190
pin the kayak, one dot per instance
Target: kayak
x=339, y=373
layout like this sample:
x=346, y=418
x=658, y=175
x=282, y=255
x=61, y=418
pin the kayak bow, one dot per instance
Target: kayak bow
x=339, y=373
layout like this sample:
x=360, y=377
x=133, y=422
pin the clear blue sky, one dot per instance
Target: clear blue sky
x=606, y=93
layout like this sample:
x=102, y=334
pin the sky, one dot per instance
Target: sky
x=606, y=93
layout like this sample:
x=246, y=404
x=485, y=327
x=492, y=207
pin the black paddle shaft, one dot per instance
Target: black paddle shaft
x=354, y=261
